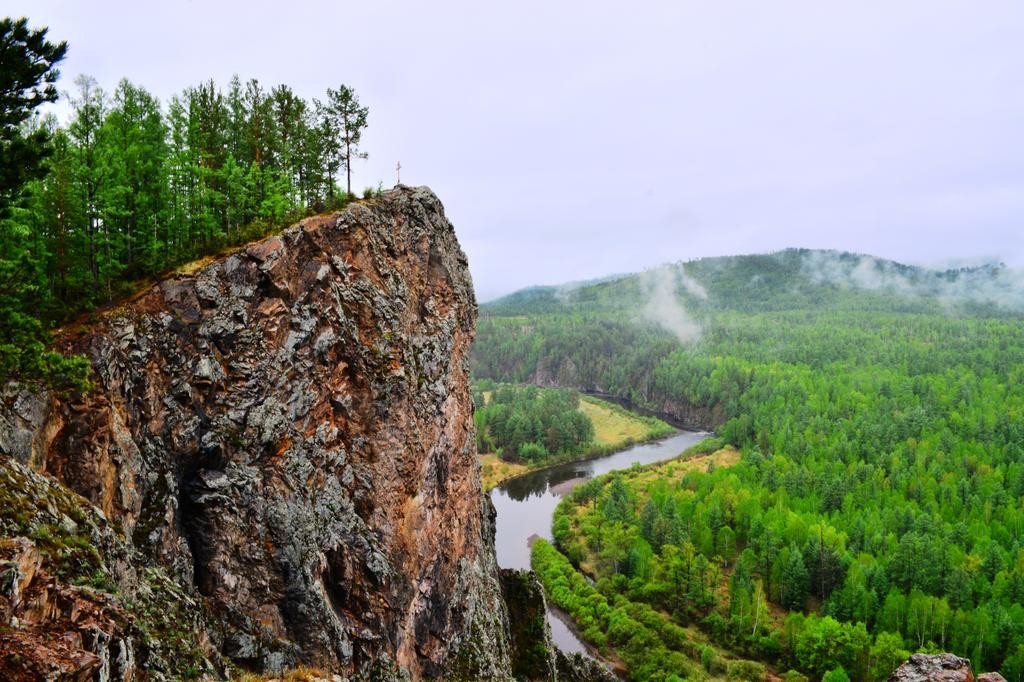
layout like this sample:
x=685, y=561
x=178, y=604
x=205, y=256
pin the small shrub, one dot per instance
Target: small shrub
x=744, y=670
x=532, y=451
x=836, y=675
x=707, y=658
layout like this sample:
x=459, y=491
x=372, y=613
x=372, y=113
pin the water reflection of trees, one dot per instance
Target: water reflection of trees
x=537, y=483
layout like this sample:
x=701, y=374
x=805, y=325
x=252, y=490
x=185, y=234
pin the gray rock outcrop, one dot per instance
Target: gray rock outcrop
x=939, y=668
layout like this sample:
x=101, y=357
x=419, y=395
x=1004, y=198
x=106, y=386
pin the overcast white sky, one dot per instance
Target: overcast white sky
x=573, y=140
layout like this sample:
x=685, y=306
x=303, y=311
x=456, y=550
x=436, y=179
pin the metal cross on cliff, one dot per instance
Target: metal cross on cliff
x=398, y=173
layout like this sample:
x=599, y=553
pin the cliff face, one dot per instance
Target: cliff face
x=77, y=603
x=288, y=431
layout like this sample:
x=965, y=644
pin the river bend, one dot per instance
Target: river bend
x=526, y=504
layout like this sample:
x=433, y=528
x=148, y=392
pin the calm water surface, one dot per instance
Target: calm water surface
x=525, y=506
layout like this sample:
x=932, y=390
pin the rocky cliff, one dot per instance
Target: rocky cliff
x=279, y=448
x=940, y=668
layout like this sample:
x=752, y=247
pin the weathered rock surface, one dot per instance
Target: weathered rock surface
x=534, y=657
x=939, y=668
x=924, y=667
x=76, y=603
x=287, y=432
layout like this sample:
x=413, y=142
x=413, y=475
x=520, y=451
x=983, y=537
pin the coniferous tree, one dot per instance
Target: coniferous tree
x=329, y=146
x=794, y=581
x=181, y=174
x=27, y=77
x=89, y=106
x=350, y=120
x=134, y=195
x=57, y=215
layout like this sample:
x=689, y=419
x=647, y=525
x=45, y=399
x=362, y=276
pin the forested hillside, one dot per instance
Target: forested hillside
x=880, y=413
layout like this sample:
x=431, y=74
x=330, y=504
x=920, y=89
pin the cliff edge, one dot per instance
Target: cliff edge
x=283, y=440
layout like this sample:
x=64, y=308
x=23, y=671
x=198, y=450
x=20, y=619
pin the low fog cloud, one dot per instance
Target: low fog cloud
x=663, y=305
x=992, y=284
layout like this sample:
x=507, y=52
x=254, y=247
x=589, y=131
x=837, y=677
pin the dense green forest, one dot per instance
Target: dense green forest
x=522, y=427
x=127, y=188
x=529, y=423
x=534, y=425
x=880, y=413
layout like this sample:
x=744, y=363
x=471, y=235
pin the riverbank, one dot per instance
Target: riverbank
x=615, y=429
x=525, y=505
x=612, y=622
x=612, y=661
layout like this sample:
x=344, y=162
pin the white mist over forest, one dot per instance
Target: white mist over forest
x=660, y=287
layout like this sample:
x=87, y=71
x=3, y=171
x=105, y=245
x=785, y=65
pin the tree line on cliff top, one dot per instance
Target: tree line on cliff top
x=127, y=188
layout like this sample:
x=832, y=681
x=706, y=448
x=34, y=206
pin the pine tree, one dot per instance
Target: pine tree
x=27, y=77
x=350, y=120
x=795, y=580
x=57, y=205
x=134, y=195
x=182, y=183
x=207, y=145
x=89, y=108
x=290, y=121
x=327, y=143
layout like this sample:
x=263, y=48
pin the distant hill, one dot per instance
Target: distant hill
x=786, y=280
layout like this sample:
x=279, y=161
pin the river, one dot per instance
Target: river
x=525, y=505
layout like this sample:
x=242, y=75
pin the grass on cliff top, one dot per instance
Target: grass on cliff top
x=615, y=428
